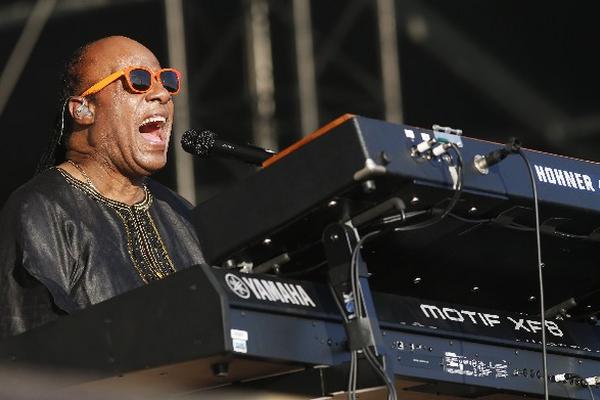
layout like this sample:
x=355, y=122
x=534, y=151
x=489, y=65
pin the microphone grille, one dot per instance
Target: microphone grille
x=198, y=143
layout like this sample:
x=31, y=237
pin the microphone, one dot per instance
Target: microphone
x=206, y=143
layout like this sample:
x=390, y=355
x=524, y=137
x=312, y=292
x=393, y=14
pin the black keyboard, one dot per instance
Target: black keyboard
x=206, y=327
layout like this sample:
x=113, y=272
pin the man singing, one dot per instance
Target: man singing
x=95, y=226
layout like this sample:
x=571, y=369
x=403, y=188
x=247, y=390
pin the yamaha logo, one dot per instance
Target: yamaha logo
x=237, y=286
x=269, y=290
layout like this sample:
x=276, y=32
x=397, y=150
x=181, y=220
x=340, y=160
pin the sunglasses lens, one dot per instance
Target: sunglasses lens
x=170, y=80
x=140, y=79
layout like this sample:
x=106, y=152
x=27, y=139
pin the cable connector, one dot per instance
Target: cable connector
x=592, y=380
x=483, y=163
x=575, y=379
x=423, y=147
x=440, y=149
x=568, y=377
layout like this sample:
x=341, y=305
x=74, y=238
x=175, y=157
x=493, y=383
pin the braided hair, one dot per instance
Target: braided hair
x=71, y=79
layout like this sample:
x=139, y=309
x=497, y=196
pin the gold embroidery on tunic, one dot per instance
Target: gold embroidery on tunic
x=145, y=246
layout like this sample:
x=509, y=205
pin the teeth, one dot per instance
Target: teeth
x=150, y=120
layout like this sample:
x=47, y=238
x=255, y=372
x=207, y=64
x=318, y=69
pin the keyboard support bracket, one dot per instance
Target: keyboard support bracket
x=339, y=241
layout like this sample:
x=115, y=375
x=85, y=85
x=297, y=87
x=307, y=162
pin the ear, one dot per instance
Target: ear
x=81, y=110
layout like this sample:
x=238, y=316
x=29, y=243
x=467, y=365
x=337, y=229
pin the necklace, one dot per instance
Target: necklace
x=85, y=176
x=89, y=182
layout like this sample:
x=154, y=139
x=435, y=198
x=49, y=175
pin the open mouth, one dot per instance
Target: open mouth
x=151, y=129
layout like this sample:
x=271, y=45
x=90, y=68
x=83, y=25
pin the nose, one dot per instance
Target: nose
x=158, y=93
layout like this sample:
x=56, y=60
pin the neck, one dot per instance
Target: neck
x=106, y=179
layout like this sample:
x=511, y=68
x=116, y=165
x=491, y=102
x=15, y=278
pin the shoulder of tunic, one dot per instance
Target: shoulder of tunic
x=45, y=186
x=164, y=194
x=33, y=240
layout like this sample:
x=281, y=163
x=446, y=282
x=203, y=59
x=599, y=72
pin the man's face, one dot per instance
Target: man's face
x=131, y=131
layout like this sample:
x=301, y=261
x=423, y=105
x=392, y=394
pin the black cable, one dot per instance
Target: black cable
x=513, y=226
x=303, y=271
x=517, y=227
x=360, y=312
x=351, y=389
x=395, y=218
x=540, y=271
x=48, y=158
x=354, y=274
x=356, y=290
x=471, y=221
x=566, y=235
x=453, y=201
x=380, y=370
x=357, y=294
x=353, y=373
x=339, y=305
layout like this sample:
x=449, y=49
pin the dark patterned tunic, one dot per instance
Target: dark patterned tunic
x=64, y=246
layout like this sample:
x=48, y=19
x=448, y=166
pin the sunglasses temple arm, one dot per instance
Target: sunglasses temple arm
x=103, y=83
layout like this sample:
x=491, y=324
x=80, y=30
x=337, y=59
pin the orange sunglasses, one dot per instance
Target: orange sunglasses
x=140, y=80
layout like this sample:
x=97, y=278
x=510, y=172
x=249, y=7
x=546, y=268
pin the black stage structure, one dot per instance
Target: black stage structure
x=452, y=307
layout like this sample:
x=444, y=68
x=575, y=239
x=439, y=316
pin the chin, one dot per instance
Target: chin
x=151, y=166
